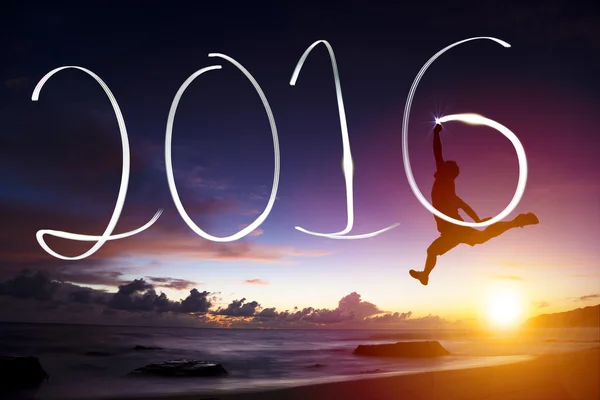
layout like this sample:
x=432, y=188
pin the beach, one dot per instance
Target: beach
x=563, y=376
x=96, y=363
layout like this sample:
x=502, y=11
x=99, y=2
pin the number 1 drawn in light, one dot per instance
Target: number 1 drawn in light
x=347, y=165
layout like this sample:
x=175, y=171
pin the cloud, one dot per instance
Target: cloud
x=138, y=285
x=327, y=317
x=104, y=277
x=168, y=240
x=81, y=296
x=589, y=297
x=29, y=285
x=199, y=182
x=171, y=283
x=34, y=297
x=137, y=295
x=508, y=277
x=391, y=318
x=196, y=302
x=540, y=304
x=353, y=303
x=191, y=175
x=238, y=308
x=140, y=295
x=256, y=232
x=256, y=282
x=77, y=195
x=251, y=212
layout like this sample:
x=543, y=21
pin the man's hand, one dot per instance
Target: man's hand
x=438, y=128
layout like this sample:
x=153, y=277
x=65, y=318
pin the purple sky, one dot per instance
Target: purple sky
x=61, y=158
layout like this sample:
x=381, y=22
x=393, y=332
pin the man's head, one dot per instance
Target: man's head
x=448, y=170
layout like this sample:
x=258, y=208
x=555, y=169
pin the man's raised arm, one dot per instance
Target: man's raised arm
x=437, y=145
x=469, y=211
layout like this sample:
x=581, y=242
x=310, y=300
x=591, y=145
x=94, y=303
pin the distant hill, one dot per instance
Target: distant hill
x=581, y=317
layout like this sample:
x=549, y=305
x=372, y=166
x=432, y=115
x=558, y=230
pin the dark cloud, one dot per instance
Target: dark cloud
x=136, y=296
x=270, y=314
x=29, y=285
x=350, y=308
x=33, y=295
x=196, y=302
x=140, y=295
x=138, y=285
x=267, y=313
x=590, y=297
x=81, y=296
x=237, y=308
x=132, y=297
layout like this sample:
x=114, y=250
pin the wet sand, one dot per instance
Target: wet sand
x=563, y=376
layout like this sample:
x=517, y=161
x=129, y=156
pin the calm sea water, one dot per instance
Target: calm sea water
x=255, y=359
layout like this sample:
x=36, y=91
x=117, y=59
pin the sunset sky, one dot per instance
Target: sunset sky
x=61, y=156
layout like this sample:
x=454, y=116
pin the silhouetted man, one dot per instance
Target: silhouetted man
x=444, y=199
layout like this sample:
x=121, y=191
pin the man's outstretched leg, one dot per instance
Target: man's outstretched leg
x=439, y=246
x=499, y=228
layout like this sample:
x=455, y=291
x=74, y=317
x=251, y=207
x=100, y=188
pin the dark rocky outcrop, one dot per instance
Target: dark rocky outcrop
x=139, y=347
x=21, y=373
x=403, y=349
x=181, y=368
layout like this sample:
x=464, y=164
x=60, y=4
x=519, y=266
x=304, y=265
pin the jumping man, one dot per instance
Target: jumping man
x=445, y=200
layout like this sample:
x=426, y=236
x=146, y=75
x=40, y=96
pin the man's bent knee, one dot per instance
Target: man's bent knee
x=432, y=251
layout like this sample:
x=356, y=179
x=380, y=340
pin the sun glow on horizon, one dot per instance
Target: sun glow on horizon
x=504, y=308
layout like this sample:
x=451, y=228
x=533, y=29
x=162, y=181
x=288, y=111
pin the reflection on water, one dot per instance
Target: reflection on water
x=91, y=361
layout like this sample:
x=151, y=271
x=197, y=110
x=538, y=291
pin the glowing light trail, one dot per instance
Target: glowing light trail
x=347, y=165
x=471, y=119
x=169, y=163
x=100, y=240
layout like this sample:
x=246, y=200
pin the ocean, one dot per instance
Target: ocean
x=86, y=361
